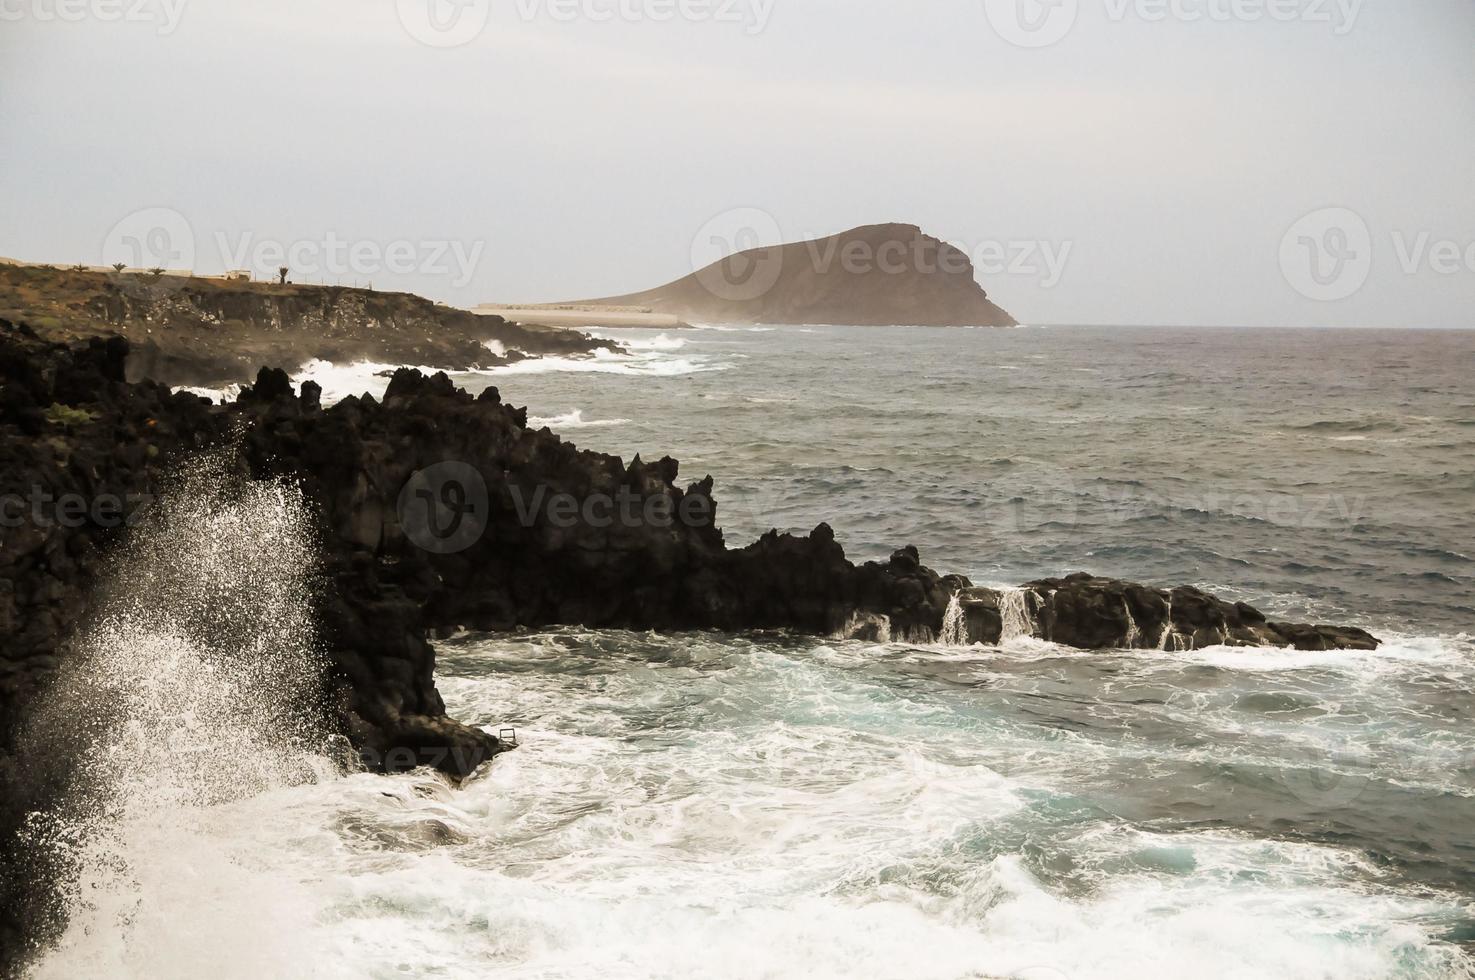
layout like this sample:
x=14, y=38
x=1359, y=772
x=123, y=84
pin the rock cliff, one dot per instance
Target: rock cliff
x=207, y=332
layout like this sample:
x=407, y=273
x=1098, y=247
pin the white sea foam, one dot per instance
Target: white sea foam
x=646, y=363
x=191, y=700
x=648, y=356
x=572, y=420
x=1398, y=654
x=643, y=342
x=218, y=395
x=954, y=623
x=732, y=810
x=338, y=381
x=812, y=822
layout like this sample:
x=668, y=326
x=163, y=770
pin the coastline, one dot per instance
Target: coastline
x=803, y=583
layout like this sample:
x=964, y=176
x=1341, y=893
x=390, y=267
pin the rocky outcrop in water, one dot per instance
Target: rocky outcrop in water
x=1099, y=614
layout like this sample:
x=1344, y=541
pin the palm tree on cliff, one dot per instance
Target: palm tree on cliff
x=282, y=275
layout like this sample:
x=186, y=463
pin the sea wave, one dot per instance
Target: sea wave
x=572, y=420
x=646, y=363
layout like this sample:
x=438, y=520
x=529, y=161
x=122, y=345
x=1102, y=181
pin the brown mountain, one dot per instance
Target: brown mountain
x=872, y=275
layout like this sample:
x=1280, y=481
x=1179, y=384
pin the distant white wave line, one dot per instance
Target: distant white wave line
x=339, y=380
x=644, y=364
x=731, y=328
x=572, y=420
x=660, y=341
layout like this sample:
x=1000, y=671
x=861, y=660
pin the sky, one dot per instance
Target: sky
x=1184, y=162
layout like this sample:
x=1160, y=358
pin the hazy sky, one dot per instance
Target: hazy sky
x=1156, y=163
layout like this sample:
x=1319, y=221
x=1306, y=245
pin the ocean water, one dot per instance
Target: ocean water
x=775, y=806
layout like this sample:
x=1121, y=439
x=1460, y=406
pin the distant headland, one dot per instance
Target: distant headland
x=874, y=275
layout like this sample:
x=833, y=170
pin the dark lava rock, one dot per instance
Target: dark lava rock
x=440, y=511
x=1099, y=613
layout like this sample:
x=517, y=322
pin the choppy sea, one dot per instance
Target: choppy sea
x=745, y=806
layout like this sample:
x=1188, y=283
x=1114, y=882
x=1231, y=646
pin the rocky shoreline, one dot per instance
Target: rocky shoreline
x=73, y=426
x=212, y=333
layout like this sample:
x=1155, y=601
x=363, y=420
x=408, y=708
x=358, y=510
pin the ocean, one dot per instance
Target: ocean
x=768, y=805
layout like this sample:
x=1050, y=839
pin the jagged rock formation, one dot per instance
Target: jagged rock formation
x=872, y=275
x=70, y=423
x=1099, y=614
x=212, y=332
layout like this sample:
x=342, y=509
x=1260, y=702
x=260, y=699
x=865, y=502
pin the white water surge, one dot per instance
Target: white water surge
x=711, y=806
x=723, y=807
x=193, y=694
x=954, y=623
x=717, y=807
x=1016, y=614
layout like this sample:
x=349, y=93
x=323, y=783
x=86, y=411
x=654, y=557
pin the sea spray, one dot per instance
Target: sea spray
x=1016, y=615
x=954, y=623
x=1134, y=632
x=1168, y=635
x=196, y=684
x=872, y=627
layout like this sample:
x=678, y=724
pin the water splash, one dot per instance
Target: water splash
x=954, y=623
x=1168, y=635
x=196, y=686
x=1134, y=634
x=1018, y=618
x=874, y=627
